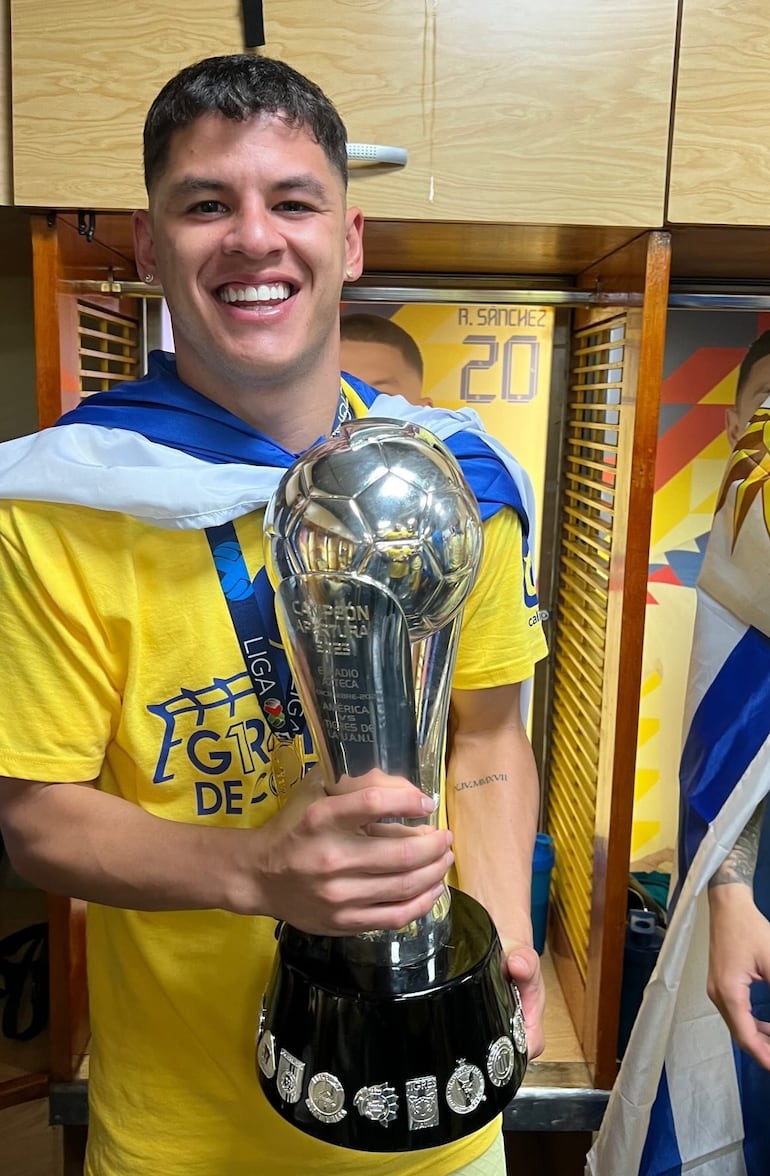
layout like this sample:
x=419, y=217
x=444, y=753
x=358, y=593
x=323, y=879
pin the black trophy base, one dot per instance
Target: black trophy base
x=385, y=1059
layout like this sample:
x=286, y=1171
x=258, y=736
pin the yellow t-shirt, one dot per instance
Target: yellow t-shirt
x=120, y=662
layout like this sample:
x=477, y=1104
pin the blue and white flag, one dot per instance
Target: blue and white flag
x=686, y=1100
x=160, y=451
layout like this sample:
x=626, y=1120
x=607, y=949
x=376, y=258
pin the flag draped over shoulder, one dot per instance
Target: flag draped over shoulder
x=160, y=451
x=685, y=1100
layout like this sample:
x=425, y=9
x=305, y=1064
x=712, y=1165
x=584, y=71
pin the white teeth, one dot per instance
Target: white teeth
x=277, y=292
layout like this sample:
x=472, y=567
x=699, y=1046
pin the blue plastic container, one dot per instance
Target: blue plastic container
x=542, y=865
x=644, y=937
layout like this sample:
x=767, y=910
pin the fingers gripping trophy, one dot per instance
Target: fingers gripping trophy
x=386, y=1040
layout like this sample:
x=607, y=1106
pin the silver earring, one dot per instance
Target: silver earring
x=149, y=277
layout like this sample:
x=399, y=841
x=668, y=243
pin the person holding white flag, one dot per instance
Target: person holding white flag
x=693, y=1090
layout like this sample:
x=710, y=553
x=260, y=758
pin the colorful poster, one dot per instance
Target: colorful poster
x=704, y=350
x=490, y=357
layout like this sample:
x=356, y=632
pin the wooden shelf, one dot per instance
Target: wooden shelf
x=562, y=1048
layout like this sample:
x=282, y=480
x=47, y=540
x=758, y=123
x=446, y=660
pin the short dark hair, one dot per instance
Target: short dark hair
x=240, y=86
x=375, y=328
x=758, y=350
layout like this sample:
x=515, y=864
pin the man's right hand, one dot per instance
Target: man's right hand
x=323, y=865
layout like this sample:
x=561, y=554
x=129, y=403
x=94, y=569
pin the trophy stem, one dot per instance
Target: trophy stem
x=433, y=661
x=372, y=700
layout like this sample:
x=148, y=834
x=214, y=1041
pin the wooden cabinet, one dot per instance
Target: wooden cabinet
x=720, y=157
x=84, y=74
x=540, y=112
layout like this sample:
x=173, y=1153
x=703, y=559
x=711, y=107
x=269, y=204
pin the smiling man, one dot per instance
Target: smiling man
x=149, y=709
x=248, y=227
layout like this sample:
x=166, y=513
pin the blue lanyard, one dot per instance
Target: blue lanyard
x=252, y=611
x=251, y=604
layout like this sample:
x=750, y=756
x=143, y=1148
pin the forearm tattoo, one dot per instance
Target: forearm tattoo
x=495, y=778
x=741, y=861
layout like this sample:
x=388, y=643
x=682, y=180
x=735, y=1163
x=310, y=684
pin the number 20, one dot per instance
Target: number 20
x=507, y=391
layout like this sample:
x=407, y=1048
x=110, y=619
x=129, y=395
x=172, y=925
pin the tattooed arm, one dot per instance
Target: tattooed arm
x=739, y=946
x=492, y=803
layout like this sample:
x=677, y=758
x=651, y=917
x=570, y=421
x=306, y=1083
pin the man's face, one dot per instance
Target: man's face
x=382, y=366
x=249, y=236
x=754, y=393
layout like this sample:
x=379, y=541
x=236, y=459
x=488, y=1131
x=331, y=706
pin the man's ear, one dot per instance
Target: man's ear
x=354, y=244
x=144, y=249
x=732, y=426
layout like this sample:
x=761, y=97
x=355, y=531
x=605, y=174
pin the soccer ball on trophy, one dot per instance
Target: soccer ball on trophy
x=387, y=501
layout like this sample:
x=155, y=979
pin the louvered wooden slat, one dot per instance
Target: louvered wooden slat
x=91, y=374
x=589, y=645
x=581, y=591
x=596, y=524
x=579, y=406
x=571, y=774
x=89, y=310
x=587, y=606
x=578, y=770
x=108, y=347
x=598, y=348
x=584, y=564
x=583, y=799
x=575, y=883
x=600, y=427
x=88, y=353
x=605, y=383
x=591, y=439
x=597, y=464
x=591, y=505
x=576, y=713
x=580, y=825
x=93, y=333
x=575, y=602
x=578, y=484
x=573, y=768
x=574, y=658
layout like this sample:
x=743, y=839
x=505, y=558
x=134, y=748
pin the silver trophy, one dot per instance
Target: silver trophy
x=387, y=1040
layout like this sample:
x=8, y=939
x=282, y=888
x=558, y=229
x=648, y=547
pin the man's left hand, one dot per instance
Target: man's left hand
x=523, y=967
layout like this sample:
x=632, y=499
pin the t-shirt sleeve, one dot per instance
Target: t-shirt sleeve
x=502, y=636
x=58, y=672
